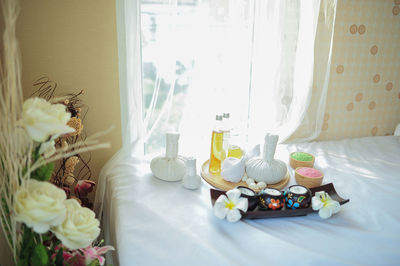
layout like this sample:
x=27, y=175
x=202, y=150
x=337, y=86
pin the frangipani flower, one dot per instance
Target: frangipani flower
x=228, y=206
x=325, y=204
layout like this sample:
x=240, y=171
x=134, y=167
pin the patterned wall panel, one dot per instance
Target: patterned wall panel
x=364, y=87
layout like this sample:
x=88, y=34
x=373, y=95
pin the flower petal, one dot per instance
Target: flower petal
x=220, y=210
x=334, y=205
x=233, y=216
x=325, y=212
x=221, y=198
x=104, y=249
x=101, y=260
x=234, y=195
x=316, y=203
x=242, y=204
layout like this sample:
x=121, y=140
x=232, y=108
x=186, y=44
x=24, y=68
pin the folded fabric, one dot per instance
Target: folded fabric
x=397, y=130
x=232, y=169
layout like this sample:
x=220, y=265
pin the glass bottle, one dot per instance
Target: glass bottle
x=234, y=149
x=226, y=128
x=232, y=140
x=217, y=149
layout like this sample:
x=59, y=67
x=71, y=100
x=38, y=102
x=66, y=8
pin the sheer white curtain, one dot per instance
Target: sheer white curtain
x=251, y=58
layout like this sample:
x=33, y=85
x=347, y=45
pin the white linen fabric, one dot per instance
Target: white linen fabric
x=152, y=222
x=278, y=54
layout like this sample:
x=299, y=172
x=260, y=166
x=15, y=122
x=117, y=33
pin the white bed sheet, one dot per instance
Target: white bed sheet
x=152, y=222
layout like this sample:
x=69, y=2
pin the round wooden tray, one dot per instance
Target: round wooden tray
x=217, y=181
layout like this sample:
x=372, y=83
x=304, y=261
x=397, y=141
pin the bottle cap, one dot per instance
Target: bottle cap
x=218, y=117
x=226, y=115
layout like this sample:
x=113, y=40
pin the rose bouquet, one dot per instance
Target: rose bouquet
x=41, y=226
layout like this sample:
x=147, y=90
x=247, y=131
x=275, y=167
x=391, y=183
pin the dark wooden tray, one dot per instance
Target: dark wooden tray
x=257, y=214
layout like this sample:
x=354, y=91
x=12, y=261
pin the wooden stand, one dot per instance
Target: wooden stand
x=217, y=181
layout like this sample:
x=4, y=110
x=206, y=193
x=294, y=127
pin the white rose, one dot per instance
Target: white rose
x=47, y=148
x=43, y=119
x=79, y=229
x=39, y=205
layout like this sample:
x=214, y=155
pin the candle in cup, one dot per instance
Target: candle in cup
x=273, y=192
x=298, y=189
x=297, y=197
x=271, y=199
x=250, y=195
x=246, y=191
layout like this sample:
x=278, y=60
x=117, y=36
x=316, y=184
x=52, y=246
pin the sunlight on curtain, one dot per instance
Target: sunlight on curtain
x=251, y=58
x=196, y=63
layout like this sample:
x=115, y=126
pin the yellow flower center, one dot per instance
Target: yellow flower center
x=325, y=200
x=229, y=205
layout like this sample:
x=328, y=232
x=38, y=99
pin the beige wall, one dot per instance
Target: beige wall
x=74, y=42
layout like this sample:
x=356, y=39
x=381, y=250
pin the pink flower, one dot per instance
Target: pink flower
x=92, y=253
x=67, y=191
x=84, y=187
x=73, y=258
x=82, y=256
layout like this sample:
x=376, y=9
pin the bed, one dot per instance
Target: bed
x=152, y=222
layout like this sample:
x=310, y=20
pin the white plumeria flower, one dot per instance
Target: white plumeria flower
x=324, y=204
x=228, y=206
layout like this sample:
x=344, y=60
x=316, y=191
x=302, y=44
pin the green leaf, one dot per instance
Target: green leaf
x=28, y=243
x=23, y=262
x=36, y=154
x=94, y=263
x=43, y=173
x=40, y=256
x=59, y=258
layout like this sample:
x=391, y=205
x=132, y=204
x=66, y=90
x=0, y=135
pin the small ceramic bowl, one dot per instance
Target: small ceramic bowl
x=301, y=159
x=251, y=196
x=297, y=197
x=308, y=177
x=271, y=199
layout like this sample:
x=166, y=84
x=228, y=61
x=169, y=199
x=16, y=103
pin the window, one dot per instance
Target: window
x=251, y=58
x=195, y=58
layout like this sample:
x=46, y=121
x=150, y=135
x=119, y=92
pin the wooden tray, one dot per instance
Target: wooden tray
x=217, y=181
x=257, y=214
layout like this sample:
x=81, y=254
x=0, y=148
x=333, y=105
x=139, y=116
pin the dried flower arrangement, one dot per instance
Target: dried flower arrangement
x=72, y=174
